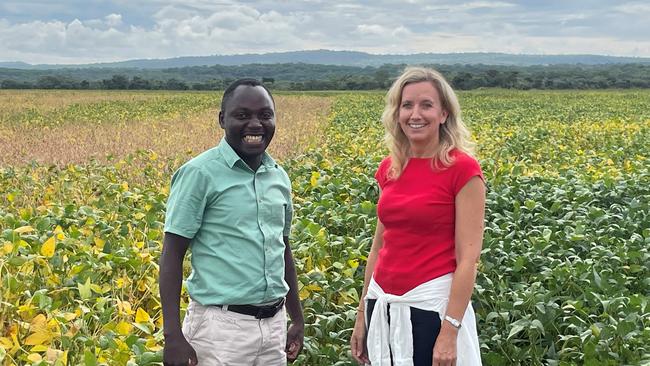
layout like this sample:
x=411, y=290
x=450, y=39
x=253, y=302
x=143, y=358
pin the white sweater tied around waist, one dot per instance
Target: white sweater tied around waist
x=398, y=337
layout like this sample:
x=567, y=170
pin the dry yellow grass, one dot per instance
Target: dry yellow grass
x=17, y=101
x=301, y=120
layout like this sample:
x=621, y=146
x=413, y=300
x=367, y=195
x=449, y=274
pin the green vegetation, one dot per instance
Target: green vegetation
x=302, y=76
x=564, y=277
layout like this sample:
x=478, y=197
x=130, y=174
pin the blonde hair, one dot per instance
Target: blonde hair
x=453, y=133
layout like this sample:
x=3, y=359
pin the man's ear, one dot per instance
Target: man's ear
x=221, y=119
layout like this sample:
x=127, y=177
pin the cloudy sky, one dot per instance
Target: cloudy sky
x=82, y=31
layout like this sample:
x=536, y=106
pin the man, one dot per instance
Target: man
x=232, y=206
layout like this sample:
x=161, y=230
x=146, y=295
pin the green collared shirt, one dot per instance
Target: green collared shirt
x=236, y=219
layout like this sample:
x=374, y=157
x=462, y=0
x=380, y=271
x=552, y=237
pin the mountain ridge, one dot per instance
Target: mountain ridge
x=346, y=58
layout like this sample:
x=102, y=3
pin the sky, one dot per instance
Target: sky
x=85, y=31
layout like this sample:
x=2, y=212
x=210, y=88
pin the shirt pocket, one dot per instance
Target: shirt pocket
x=277, y=219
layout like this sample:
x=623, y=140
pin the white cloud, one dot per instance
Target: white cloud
x=158, y=29
x=635, y=9
x=113, y=20
x=485, y=4
x=372, y=29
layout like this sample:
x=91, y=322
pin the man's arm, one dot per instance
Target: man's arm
x=295, y=334
x=177, y=350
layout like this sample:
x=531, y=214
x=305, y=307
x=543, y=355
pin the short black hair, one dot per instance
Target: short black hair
x=227, y=94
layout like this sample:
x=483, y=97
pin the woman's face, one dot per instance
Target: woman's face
x=421, y=113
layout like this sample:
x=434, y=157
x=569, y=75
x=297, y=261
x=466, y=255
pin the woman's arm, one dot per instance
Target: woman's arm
x=470, y=214
x=377, y=243
x=359, y=333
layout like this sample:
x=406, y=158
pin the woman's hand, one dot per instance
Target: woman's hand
x=358, y=340
x=444, y=352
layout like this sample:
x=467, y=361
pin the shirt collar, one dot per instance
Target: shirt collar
x=232, y=158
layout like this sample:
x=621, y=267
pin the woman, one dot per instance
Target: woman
x=422, y=265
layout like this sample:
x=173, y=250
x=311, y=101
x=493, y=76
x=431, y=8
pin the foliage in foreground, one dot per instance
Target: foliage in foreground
x=564, y=274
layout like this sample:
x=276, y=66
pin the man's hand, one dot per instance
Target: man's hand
x=178, y=352
x=295, y=339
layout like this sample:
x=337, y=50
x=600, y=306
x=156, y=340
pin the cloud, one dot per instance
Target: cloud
x=120, y=29
x=113, y=19
x=371, y=29
x=233, y=29
x=634, y=9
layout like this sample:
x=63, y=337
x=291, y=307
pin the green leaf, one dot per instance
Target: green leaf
x=515, y=329
x=546, y=234
x=85, y=291
x=89, y=358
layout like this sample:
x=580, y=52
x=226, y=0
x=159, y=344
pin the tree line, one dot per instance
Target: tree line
x=302, y=76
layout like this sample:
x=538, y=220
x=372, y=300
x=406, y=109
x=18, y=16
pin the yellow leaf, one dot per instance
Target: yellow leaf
x=7, y=247
x=314, y=287
x=24, y=229
x=142, y=316
x=314, y=178
x=97, y=289
x=39, y=321
x=304, y=293
x=48, y=247
x=40, y=335
x=35, y=357
x=58, y=229
x=6, y=342
x=124, y=328
x=99, y=242
x=153, y=345
x=124, y=307
x=125, y=186
x=121, y=346
x=39, y=348
x=69, y=316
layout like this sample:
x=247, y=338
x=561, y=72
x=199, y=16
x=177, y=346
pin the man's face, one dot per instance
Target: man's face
x=248, y=119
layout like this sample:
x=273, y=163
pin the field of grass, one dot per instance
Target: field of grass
x=564, y=274
x=74, y=127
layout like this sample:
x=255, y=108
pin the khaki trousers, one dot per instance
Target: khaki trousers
x=224, y=338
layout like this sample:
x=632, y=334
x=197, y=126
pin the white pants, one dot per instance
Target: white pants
x=224, y=338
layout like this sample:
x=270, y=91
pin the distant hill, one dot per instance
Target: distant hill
x=304, y=76
x=349, y=58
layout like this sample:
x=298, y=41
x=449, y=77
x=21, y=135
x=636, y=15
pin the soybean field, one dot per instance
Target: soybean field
x=564, y=276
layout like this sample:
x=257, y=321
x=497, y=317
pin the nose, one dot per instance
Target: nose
x=415, y=113
x=255, y=122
